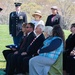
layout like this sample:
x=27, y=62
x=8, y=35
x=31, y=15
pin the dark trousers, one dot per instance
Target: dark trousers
x=26, y=64
x=14, y=63
x=71, y=65
x=11, y=63
x=23, y=64
x=6, y=53
x=19, y=67
x=68, y=63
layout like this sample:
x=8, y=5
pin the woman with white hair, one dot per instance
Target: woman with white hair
x=48, y=31
x=48, y=54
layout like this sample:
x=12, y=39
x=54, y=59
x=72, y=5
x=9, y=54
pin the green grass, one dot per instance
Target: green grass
x=66, y=32
x=6, y=39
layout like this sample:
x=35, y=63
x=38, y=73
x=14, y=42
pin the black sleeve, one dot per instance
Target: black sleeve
x=47, y=21
x=28, y=41
x=10, y=24
x=25, y=18
x=54, y=45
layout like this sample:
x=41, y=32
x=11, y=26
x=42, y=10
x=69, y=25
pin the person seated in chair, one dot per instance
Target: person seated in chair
x=23, y=62
x=13, y=49
x=68, y=53
x=12, y=57
x=48, y=54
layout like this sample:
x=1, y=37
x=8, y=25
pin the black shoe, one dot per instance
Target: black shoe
x=4, y=70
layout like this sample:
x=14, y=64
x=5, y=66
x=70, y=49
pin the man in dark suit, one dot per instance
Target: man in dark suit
x=13, y=49
x=16, y=20
x=23, y=60
x=12, y=57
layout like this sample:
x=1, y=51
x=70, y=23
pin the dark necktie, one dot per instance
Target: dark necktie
x=24, y=39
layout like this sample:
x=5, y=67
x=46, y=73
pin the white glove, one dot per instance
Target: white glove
x=11, y=35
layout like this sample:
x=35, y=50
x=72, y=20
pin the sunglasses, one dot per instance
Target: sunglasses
x=28, y=27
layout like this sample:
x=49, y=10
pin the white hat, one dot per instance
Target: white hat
x=37, y=12
x=54, y=7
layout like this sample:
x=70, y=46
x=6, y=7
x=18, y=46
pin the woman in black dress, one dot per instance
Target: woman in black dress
x=68, y=53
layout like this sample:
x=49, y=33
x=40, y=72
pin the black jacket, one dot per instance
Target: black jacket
x=70, y=43
x=38, y=43
x=57, y=20
x=27, y=42
x=15, y=22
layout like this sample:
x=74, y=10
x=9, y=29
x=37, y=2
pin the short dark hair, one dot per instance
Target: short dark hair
x=24, y=25
x=32, y=25
x=72, y=25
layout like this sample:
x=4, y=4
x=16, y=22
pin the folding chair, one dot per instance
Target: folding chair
x=56, y=68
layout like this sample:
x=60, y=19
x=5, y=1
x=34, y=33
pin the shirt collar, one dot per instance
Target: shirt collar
x=38, y=35
x=28, y=33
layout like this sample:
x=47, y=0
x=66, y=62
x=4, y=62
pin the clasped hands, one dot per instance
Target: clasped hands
x=72, y=53
x=23, y=53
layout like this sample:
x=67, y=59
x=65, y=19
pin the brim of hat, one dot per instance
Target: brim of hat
x=37, y=14
x=54, y=8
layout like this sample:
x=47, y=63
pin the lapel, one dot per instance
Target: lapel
x=19, y=14
x=56, y=17
x=38, y=39
x=29, y=36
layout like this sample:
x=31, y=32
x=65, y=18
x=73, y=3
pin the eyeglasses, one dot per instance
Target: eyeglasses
x=28, y=27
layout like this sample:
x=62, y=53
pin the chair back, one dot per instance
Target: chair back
x=56, y=68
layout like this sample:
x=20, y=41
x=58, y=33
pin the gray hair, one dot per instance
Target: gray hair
x=48, y=30
x=41, y=26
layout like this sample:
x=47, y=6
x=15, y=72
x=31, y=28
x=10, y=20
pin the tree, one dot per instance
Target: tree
x=67, y=9
x=30, y=8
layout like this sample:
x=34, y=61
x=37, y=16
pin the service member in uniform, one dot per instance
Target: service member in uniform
x=16, y=19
